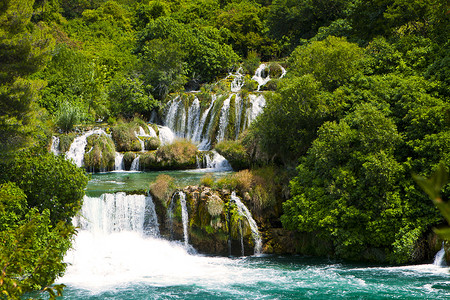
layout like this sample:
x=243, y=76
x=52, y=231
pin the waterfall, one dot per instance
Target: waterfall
x=184, y=215
x=166, y=135
x=223, y=122
x=151, y=225
x=55, y=145
x=198, y=131
x=118, y=162
x=170, y=119
x=77, y=148
x=238, y=81
x=184, y=218
x=193, y=119
x=257, y=105
x=439, y=259
x=135, y=164
x=216, y=162
x=243, y=211
x=261, y=76
x=241, y=233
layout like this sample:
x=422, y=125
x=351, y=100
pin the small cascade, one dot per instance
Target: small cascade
x=55, y=145
x=151, y=225
x=223, y=122
x=135, y=164
x=243, y=211
x=216, y=162
x=184, y=218
x=77, y=148
x=241, y=233
x=152, y=131
x=439, y=259
x=238, y=81
x=113, y=213
x=166, y=135
x=258, y=102
x=261, y=76
x=171, y=119
x=197, y=136
x=193, y=119
x=118, y=162
x=184, y=215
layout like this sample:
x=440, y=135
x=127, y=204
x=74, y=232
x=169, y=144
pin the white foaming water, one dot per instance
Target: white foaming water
x=243, y=211
x=135, y=164
x=118, y=162
x=238, y=81
x=185, y=218
x=261, y=76
x=223, y=121
x=217, y=163
x=258, y=102
x=166, y=135
x=55, y=145
x=76, y=150
x=439, y=259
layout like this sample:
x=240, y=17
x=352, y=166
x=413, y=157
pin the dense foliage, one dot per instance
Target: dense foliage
x=364, y=104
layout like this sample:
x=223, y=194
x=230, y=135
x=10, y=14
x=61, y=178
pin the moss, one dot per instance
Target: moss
x=100, y=153
x=249, y=84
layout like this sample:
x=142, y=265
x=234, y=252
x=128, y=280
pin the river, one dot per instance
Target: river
x=127, y=264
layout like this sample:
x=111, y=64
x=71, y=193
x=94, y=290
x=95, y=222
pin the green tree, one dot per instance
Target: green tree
x=24, y=49
x=350, y=189
x=49, y=182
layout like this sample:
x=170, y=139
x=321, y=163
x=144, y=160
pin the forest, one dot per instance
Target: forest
x=365, y=104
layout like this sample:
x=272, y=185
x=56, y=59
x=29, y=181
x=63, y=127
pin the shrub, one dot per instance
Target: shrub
x=244, y=180
x=67, y=116
x=163, y=187
x=235, y=153
x=251, y=63
x=125, y=138
x=151, y=143
x=275, y=70
x=178, y=155
x=101, y=153
x=207, y=180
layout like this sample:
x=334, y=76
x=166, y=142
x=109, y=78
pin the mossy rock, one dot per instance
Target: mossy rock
x=100, y=153
x=272, y=85
x=249, y=84
x=151, y=143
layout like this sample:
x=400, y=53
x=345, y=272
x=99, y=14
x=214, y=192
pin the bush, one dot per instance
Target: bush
x=207, y=180
x=244, y=180
x=125, y=138
x=163, y=188
x=178, y=155
x=251, y=63
x=151, y=143
x=67, y=116
x=235, y=153
x=100, y=155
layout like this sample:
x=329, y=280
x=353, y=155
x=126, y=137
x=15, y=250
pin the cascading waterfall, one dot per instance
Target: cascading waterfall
x=223, y=122
x=261, y=76
x=166, y=135
x=243, y=211
x=77, y=148
x=184, y=218
x=135, y=164
x=55, y=145
x=216, y=162
x=439, y=259
x=238, y=81
x=184, y=215
x=118, y=162
x=118, y=212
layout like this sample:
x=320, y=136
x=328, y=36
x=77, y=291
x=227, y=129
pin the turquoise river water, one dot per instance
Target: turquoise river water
x=129, y=265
